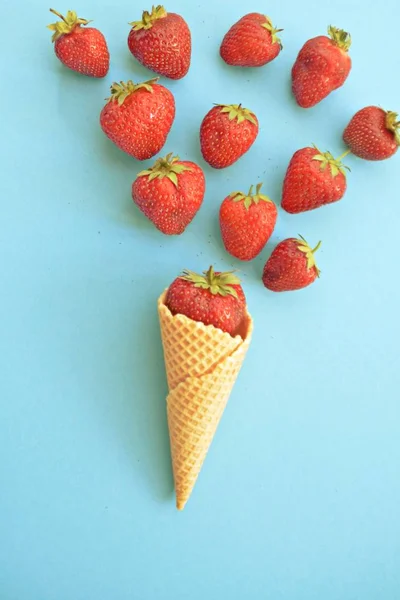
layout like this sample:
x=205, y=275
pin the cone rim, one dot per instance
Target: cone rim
x=244, y=331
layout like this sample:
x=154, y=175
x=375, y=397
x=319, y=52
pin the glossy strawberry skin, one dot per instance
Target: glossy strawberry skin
x=248, y=44
x=307, y=187
x=320, y=68
x=165, y=48
x=171, y=208
x=245, y=231
x=84, y=50
x=224, y=141
x=367, y=135
x=224, y=312
x=140, y=125
x=286, y=269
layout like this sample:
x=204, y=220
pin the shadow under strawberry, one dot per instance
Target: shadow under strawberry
x=133, y=218
x=252, y=75
x=132, y=69
x=112, y=154
x=193, y=149
x=264, y=80
x=136, y=70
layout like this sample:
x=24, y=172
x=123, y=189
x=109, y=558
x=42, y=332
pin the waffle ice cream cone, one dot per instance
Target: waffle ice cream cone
x=202, y=364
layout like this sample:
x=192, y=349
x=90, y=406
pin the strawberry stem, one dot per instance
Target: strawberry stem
x=148, y=19
x=217, y=283
x=66, y=25
x=58, y=14
x=120, y=91
x=326, y=159
x=273, y=31
x=316, y=247
x=393, y=125
x=309, y=254
x=342, y=156
x=251, y=198
x=169, y=167
x=236, y=111
x=340, y=38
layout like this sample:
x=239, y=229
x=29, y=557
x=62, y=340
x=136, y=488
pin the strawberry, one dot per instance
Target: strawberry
x=226, y=133
x=138, y=117
x=212, y=298
x=162, y=42
x=247, y=222
x=373, y=133
x=79, y=49
x=313, y=179
x=251, y=42
x=291, y=266
x=170, y=193
x=323, y=65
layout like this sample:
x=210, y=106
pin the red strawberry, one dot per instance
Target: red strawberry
x=79, y=49
x=213, y=299
x=162, y=42
x=247, y=222
x=291, y=266
x=226, y=133
x=373, y=133
x=138, y=117
x=322, y=66
x=313, y=179
x=251, y=42
x=170, y=193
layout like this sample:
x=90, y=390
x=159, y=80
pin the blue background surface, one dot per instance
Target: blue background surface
x=299, y=497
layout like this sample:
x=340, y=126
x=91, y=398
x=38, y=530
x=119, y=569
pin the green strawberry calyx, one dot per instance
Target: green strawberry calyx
x=236, y=111
x=217, y=283
x=148, y=19
x=309, y=253
x=250, y=198
x=120, y=91
x=66, y=25
x=169, y=167
x=393, y=125
x=326, y=159
x=273, y=31
x=340, y=38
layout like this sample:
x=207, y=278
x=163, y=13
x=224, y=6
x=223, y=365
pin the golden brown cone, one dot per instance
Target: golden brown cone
x=202, y=364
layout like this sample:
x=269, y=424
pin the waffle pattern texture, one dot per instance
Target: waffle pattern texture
x=202, y=364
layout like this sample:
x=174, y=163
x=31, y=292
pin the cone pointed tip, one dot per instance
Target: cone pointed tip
x=180, y=504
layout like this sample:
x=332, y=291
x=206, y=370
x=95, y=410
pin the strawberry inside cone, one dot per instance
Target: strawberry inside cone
x=202, y=363
x=212, y=298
